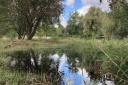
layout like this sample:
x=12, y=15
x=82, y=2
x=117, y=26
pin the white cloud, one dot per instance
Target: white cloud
x=63, y=22
x=83, y=10
x=91, y=2
x=70, y=2
x=104, y=5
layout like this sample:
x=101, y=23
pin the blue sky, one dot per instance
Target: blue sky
x=81, y=6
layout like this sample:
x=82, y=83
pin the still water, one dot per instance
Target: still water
x=71, y=77
x=69, y=73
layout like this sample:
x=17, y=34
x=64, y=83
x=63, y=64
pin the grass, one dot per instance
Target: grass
x=97, y=56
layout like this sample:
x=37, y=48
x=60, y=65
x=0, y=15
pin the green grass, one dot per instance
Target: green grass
x=111, y=56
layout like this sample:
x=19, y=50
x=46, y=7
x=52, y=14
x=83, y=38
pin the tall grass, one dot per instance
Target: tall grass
x=100, y=57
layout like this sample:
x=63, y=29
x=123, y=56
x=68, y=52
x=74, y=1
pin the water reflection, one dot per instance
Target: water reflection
x=69, y=74
x=71, y=77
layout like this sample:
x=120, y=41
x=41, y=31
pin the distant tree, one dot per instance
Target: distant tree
x=97, y=24
x=107, y=24
x=60, y=30
x=27, y=15
x=45, y=30
x=120, y=16
x=92, y=22
x=75, y=26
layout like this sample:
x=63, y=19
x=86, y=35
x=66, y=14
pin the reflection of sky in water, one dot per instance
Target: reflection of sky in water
x=69, y=77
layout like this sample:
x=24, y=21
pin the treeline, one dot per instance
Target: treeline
x=26, y=18
x=99, y=24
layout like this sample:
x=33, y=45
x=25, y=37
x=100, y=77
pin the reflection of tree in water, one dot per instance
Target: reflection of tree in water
x=36, y=65
x=26, y=60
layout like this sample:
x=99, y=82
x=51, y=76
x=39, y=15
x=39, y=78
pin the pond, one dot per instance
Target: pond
x=68, y=73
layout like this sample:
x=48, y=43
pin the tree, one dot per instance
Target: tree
x=60, y=30
x=75, y=26
x=27, y=15
x=106, y=25
x=92, y=22
x=120, y=16
x=97, y=24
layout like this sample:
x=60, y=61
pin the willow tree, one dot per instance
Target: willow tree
x=27, y=15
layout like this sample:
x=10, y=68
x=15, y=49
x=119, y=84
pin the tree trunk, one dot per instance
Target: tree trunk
x=32, y=33
x=19, y=37
x=33, y=29
x=29, y=37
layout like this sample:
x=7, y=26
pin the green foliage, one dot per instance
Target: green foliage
x=120, y=16
x=60, y=30
x=50, y=30
x=4, y=25
x=74, y=26
x=106, y=25
x=92, y=22
x=27, y=15
x=96, y=23
x=99, y=24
